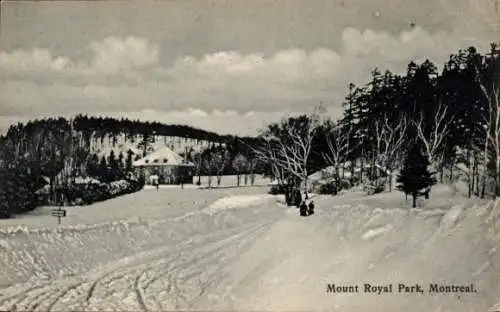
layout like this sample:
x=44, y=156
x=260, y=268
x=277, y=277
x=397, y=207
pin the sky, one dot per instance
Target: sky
x=225, y=66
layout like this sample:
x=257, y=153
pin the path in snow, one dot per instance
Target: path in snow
x=248, y=253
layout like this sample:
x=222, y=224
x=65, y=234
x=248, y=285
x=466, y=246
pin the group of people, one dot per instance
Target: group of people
x=293, y=197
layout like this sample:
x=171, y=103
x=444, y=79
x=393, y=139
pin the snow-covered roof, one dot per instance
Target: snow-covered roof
x=162, y=157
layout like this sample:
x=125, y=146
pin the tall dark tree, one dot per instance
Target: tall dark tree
x=93, y=168
x=114, y=167
x=129, y=160
x=415, y=178
x=103, y=169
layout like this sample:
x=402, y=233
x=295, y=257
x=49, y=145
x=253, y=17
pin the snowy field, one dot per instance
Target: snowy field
x=242, y=249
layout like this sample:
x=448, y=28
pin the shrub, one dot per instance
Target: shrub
x=327, y=188
x=86, y=194
x=277, y=189
x=345, y=184
x=17, y=190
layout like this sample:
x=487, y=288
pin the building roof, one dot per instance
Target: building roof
x=162, y=157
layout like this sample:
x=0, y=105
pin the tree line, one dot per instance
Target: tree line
x=450, y=116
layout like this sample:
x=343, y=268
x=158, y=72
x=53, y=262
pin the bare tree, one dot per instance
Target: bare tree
x=251, y=170
x=337, y=141
x=218, y=161
x=434, y=139
x=390, y=139
x=492, y=132
x=198, y=161
x=267, y=153
x=294, y=140
x=239, y=164
x=286, y=147
x=206, y=165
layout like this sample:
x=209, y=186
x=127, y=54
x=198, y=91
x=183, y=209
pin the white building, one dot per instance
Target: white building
x=169, y=166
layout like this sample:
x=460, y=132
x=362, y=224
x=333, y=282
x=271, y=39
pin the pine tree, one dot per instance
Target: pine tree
x=93, y=166
x=121, y=157
x=103, y=169
x=129, y=161
x=120, y=166
x=114, y=167
x=415, y=177
x=5, y=194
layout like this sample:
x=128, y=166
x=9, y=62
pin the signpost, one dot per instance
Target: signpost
x=59, y=213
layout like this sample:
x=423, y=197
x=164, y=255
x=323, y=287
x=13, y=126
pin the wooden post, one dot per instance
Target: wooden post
x=59, y=213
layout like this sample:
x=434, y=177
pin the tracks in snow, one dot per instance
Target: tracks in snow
x=171, y=277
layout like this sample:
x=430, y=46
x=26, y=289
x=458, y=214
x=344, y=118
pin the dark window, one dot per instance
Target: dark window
x=165, y=160
x=147, y=161
x=155, y=161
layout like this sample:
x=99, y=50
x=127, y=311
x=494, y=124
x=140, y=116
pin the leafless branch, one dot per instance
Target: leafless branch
x=433, y=141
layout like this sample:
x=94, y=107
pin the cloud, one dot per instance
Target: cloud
x=127, y=75
x=38, y=59
x=114, y=55
x=114, y=61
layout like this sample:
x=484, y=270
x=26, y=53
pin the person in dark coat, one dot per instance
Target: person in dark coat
x=303, y=209
x=310, y=210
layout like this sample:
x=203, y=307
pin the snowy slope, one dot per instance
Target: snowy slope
x=351, y=243
x=122, y=144
x=237, y=249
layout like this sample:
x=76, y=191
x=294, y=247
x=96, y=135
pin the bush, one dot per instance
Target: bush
x=374, y=187
x=331, y=186
x=277, y=189
x=86, y=194
x=353, y=181
x=17, y=190
x=327, y=189
x=345, y=184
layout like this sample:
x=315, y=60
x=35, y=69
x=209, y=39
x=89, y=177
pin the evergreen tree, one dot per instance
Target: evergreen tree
x=121, y=157
x=415, y=177
x=103, y=169
x=93, y=166
x=120, y=166
x=113, y=166
x=17, y=189
x=129, y=161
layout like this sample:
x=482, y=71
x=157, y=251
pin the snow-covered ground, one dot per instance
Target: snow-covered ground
x=240, y=249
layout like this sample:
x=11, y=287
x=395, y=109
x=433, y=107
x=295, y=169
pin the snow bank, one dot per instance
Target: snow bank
x=377, y=232
x=148, y=204
x=237, y=201
x=223, y=250
x=33, y=251
x=350, y=242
